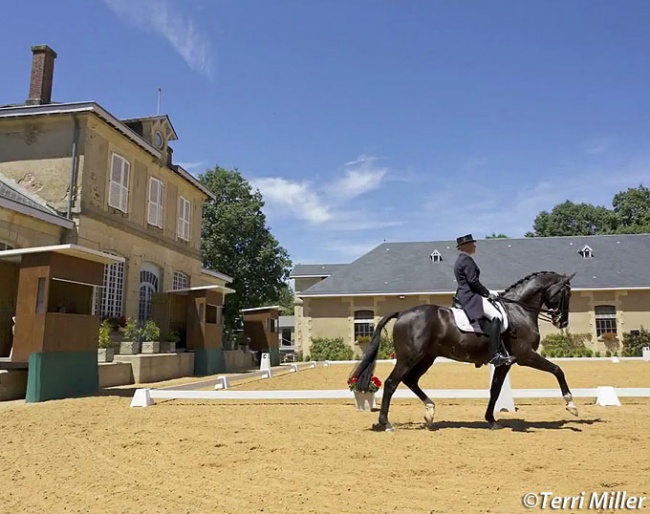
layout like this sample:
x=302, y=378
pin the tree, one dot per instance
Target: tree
x=497, y=236
x=286, y=301
x=237, y=242
x=632, y=208
x=575, y=219
x=630, y=215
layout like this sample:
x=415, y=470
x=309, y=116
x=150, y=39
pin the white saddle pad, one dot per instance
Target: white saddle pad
x=463, y=324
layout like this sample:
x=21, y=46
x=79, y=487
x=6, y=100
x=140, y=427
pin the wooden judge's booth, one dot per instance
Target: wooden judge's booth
x=196, y=314
x=56, y=332
x=261, y=329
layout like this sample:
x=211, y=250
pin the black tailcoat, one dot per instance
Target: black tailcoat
x=470, y=290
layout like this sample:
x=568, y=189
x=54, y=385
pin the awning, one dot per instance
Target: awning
x=72, y=250
x=253, y=309
x=223, y=289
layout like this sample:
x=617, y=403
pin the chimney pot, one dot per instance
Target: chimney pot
x=40, y=84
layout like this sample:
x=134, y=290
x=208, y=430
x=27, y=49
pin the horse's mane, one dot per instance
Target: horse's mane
x=522, y=281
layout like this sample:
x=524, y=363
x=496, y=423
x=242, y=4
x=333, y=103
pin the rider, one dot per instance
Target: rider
x=474, y=299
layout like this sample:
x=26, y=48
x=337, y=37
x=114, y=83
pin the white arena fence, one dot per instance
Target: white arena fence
x=604, y=395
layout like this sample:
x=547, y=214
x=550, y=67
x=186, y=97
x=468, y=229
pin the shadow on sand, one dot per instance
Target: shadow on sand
x=514, y=424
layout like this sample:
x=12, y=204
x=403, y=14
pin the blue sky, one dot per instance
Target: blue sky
x=363, y=121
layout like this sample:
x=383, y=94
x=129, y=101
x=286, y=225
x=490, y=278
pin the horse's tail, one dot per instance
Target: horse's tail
x=364, y=370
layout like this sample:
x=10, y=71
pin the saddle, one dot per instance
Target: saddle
x=464, y=325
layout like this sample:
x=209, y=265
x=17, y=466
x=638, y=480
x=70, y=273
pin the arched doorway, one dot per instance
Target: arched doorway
x=149, y=284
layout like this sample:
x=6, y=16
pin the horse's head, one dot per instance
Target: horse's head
x=557, y=296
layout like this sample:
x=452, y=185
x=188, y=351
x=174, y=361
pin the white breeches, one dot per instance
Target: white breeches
x=490, y=310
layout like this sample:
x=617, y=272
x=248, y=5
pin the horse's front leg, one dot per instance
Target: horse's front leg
x=536, y=361
x=498, y=378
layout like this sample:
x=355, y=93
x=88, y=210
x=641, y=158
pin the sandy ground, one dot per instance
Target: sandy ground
x=97, y=455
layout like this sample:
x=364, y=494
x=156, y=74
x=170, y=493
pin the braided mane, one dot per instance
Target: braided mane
x=526, y=279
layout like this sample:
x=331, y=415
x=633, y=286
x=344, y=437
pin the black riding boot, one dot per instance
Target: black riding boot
x=498, y=357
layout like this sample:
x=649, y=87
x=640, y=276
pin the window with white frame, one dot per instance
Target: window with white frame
x=112, y=300
x=605, y=320
x=436, y=256
x=118, y=189
x=155, y=207
x=181, y=280
x=183, y=224
x=586, y=252
x=364, y=324
x=149, y=284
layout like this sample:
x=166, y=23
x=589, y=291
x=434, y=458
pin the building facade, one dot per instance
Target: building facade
x=610, y=292
x=75, y=173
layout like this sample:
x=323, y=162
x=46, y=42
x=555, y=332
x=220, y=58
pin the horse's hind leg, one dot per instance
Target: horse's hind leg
x=498, y=378
x=411, y=381
x=536, y=361
x=390, y=385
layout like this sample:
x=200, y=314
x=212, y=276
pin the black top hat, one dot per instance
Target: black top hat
x=464, y=239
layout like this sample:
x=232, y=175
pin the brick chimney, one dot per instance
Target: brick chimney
x=40, y=84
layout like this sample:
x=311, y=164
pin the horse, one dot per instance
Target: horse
x=425, y=332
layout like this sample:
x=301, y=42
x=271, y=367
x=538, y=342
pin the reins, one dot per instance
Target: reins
x=543, y=314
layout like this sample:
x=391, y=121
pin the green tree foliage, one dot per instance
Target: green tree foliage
x=630, y=215
x=286, y=301
x=633, y=344
x=237, y=242
x=496, y=236
x=632, y=208
x=574, y=219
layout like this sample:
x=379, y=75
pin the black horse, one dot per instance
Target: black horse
x=425, y=332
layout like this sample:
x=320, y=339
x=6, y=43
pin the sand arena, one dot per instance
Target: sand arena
x=98, y=455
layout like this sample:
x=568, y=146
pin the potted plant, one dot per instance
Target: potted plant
x=364, y=400
x=168, y=344
x=132, y=335
x=105, y=351
x=150, y=336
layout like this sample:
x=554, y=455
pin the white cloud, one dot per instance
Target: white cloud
x=360, y=176
x=192, y=166
x=326, y=206
x=295, y=197
x=165, y=19
x=599, y=145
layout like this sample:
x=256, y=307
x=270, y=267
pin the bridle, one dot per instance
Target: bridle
x=551, y=315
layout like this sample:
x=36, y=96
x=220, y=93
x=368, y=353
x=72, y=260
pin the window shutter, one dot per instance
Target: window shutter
x=125, y=186
x=187, y=220
x=115, y=189
x=152, y=211
x=161, y=195
x=179, y=217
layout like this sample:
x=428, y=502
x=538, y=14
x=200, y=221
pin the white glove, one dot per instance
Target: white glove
x=493, y=295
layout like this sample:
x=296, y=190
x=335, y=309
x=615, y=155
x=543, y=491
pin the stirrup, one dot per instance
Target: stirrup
x=501, y=359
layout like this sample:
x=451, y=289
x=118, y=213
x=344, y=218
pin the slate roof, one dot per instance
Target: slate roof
x=16, y=194
x=315, y=270
x=619, y=261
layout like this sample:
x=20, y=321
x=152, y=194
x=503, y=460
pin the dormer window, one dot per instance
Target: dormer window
x=586, y=252
x=435, y=256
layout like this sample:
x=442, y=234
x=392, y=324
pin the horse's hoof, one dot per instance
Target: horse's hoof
x=495, y=426
x=573, y=410
x=380, y=427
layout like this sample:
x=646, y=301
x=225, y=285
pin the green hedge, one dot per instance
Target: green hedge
x=633, y=344
x=566, y=345
x=330, y=348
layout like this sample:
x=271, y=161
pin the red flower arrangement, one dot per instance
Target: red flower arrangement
x=392, y=355
x=374, y=386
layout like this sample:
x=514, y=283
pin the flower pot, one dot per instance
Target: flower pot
x=365, y=402
x=105, y=354
x=130, y=347
x=150, y=346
